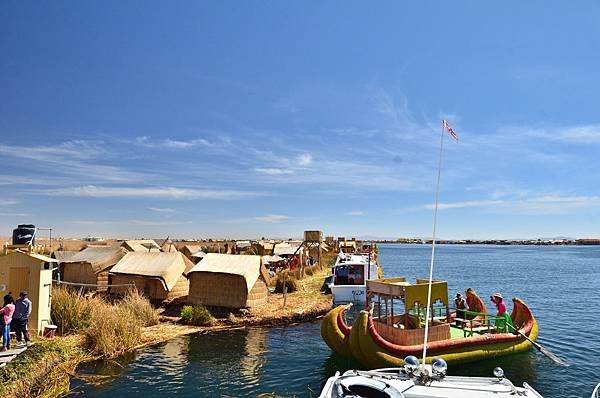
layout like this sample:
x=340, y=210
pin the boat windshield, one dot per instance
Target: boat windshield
x=351, y=274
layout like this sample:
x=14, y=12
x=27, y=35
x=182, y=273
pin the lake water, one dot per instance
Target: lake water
x=561, y=284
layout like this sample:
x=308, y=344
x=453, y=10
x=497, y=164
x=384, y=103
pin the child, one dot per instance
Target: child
x=5, y=318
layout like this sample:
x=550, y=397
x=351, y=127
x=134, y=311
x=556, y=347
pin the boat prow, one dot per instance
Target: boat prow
x=334, y=330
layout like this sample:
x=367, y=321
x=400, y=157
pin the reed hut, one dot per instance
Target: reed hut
x=189, y=250
x=141, y=245
x=91, y=266
x=157, y=275
x=62, y=256
x=226, y=280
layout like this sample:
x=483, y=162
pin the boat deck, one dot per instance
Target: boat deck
x=456, y=332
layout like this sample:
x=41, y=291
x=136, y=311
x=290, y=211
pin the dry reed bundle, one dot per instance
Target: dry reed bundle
x=140, y=307
x=71, y=310
x=113, y=330
x=287, y=278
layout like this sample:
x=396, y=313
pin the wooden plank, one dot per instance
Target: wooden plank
x=5, y=360
x=12, y=351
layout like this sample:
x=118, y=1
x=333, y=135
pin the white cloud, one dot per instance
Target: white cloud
x=541, y=204
x=272, y=218
x=273, y=171
x=79, y=149
x=162, y=209
x=169, y=143
x=304, y=159
x=581, y=134
x=144, y=192
x=462, y=205
x=15, y=214
x=130, y=222
x=357, y=213
x=72, y=158
x=8, y=202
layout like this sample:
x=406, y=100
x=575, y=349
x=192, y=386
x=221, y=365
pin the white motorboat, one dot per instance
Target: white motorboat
x=350, y=274
x=415, y=381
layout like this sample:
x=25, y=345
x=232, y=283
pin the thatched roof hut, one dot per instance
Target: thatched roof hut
x=288, y=248
x=141, y=245
x=62, y=256
x=157, y=275
x=226, y=280
x=189, y=250
x=91, y=266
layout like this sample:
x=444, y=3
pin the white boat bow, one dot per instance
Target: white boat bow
x=414, y=381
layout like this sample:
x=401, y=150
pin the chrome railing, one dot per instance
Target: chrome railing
x=596, y=393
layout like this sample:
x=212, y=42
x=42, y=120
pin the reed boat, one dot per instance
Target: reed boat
x=378, y=338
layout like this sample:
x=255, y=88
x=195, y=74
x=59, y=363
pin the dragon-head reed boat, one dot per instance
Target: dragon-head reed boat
x=393, y=327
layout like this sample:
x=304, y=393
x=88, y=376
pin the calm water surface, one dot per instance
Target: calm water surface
x=560, y=284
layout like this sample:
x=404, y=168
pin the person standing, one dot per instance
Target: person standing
x=498, y=301
x=21, y=317
x=503, y=321
x=6, y=313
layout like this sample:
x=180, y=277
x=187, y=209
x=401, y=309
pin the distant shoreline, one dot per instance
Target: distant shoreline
x=569, y=242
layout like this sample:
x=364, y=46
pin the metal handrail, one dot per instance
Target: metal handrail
x=91, y=284
x=596, y=392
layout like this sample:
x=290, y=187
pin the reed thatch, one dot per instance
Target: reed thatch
x=141, y=245
x=91, y=266
x=224, y=280
x=158, y=275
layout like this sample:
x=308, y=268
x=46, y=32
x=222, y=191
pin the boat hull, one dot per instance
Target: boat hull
x=368, y=347
x=348, y=293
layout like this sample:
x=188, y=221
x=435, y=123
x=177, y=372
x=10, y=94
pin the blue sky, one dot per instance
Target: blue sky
x=249, y=119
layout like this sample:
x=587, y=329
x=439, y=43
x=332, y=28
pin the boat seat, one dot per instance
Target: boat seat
x=459, y=322
x=479, y=330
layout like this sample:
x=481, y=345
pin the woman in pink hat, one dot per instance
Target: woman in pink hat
x=503, y=320
x=498, y=301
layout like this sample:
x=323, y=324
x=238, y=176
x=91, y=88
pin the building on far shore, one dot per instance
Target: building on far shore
x=232, y=281
x=588, y=241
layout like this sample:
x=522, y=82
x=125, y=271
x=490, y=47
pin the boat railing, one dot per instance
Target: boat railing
x=596, y=392
x=479, y=322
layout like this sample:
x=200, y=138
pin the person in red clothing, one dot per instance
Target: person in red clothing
x=6, y=314
x=294, y=263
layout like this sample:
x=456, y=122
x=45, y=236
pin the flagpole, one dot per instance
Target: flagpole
x=437, y=197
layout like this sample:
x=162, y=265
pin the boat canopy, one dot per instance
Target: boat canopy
x=412, y=294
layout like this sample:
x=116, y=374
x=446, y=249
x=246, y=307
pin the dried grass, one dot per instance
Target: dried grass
x=108, y=329
x=287, y=278
x=140, y=307
x=113, y=330
x=71, y=310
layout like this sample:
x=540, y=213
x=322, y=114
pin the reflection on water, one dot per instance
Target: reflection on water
x=560, y=284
